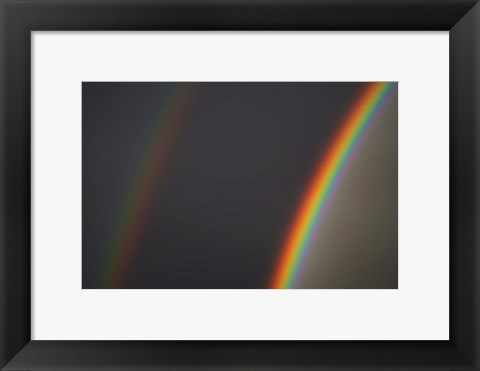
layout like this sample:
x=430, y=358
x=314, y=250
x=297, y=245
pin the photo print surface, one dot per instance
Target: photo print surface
x=239, y=185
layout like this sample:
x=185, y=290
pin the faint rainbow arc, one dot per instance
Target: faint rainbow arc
x=322, y=184
x=153, y=159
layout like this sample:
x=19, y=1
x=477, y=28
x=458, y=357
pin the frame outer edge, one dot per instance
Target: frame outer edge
x=15, y=285
x=2, y=192
x=465, y=185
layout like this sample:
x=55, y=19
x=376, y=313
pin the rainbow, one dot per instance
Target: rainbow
x=144, y=185
x=321, y=187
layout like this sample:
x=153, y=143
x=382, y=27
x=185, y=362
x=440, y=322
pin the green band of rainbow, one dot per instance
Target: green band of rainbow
x=322, y=185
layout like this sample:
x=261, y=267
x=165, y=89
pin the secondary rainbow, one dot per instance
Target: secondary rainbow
x=321, y=187
x=128, y=229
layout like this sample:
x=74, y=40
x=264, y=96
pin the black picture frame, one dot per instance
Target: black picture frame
x=19, y=17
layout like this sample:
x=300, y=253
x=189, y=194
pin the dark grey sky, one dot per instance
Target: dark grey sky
x=236, y=159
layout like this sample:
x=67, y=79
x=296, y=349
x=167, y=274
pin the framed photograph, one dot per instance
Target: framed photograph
x=239, y=185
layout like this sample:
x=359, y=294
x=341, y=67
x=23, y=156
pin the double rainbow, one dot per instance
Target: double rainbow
x=321, y=187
